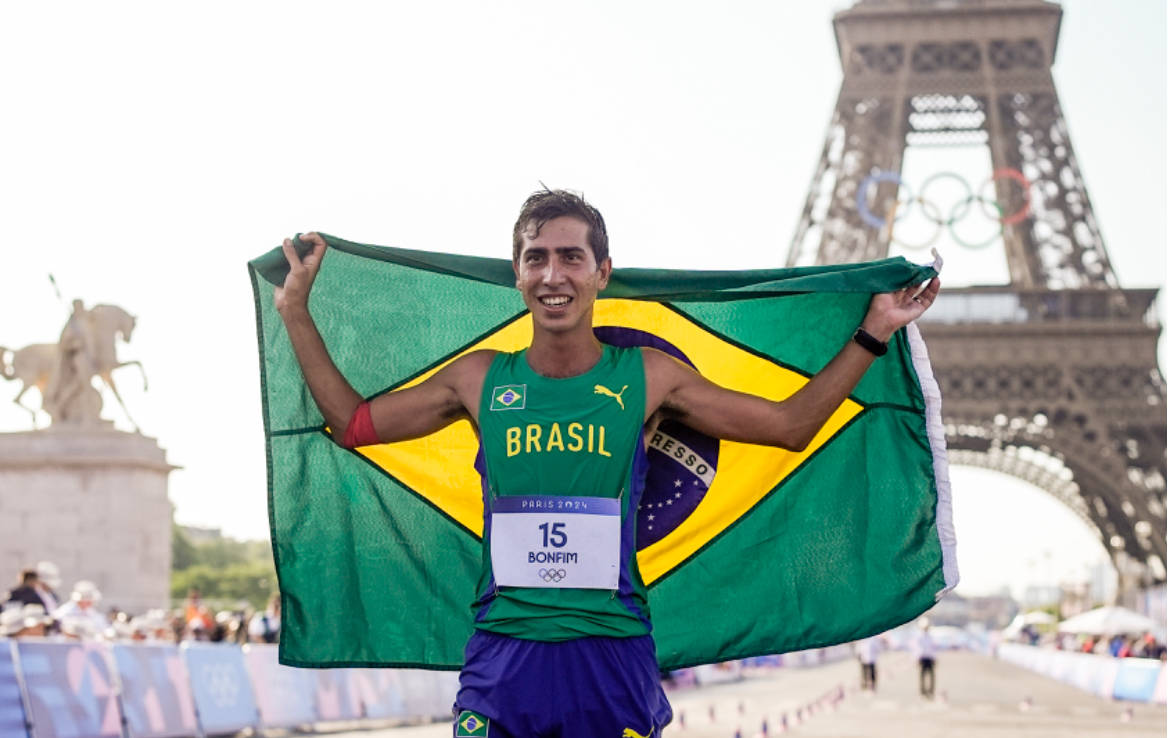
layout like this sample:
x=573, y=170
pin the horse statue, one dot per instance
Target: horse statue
x=63, y=372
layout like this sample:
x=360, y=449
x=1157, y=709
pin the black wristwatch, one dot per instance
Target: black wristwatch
x=870, y=344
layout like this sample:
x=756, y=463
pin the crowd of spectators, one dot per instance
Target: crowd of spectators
x=1145, y=646
x=34, y=609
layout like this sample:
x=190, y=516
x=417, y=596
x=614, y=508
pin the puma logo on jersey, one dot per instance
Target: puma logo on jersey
x=599, y=390
x=631, y=733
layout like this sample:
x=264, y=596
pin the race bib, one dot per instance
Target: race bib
x=548, y=541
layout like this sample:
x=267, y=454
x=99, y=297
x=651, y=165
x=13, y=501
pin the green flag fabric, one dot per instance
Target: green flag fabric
x=746, y=550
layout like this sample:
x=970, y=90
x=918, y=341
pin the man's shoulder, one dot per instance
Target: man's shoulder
x=474, y=363
x=657, y=362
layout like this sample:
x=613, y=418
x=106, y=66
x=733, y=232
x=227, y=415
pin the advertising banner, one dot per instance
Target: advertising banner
x=156, y=691
x=1102, y=682
x=224, y=700
x=380, y=691
x=71, y=690
x=1082, y=673
x=1136, y=679
x=335, y=698
x=11, y=704
x=429, y=693
x=286, y=696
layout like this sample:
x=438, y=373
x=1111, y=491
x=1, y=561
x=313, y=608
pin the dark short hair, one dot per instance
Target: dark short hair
x=546, y=205
x=28, y=576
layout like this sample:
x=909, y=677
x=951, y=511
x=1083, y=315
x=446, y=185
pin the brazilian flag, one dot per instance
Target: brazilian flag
x=746, y=550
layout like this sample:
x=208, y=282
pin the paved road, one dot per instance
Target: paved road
x=977, y=696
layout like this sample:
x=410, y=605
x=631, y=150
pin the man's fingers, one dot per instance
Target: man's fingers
x=926, y=293
x=317, y=248
x=290, y=253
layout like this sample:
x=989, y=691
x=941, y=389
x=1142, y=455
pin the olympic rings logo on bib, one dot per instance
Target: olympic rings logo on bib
x=934, y=214
x=552, y=575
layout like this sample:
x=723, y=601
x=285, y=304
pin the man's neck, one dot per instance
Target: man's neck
x=562, y=355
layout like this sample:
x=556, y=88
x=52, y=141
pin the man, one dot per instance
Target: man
x=265, y=626
x=80, y=615
x=867, y=653
x=48, y=580
x=926, y=651
x=25, y=593
x=563, y=426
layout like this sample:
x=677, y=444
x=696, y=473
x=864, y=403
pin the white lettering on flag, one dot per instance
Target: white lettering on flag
x=681, y=453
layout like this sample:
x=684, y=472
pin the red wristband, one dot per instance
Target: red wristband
x=360, y=431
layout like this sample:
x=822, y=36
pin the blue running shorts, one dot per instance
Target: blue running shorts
x=592, y=687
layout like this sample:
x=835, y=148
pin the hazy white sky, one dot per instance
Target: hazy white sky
x=151, y=149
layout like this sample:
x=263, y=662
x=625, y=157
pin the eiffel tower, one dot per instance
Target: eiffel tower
x=1052, y=378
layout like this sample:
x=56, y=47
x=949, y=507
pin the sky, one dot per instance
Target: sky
x=151, y=149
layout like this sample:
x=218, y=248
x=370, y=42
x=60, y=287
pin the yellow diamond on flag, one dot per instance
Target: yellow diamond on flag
x=440, y=468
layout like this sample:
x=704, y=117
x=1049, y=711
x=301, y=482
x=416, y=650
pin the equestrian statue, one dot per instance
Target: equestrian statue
x=64, y=371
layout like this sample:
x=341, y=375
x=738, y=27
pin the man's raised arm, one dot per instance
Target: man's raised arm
x=444, y=398
x=678, y=392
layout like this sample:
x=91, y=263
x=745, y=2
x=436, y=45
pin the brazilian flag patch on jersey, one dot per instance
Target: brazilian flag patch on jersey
x=471, y=724
x=509, y=397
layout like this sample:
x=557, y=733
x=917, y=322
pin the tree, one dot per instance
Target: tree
x=224, y=570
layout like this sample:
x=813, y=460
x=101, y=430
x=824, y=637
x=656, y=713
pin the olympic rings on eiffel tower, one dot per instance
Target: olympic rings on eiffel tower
x=931, y=211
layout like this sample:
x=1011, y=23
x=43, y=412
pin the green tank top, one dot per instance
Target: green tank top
x=574, y=437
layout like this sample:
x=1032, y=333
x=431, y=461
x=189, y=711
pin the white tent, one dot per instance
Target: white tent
x=1111, y=621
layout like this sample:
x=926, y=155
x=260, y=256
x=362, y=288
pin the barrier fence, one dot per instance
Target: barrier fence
x=1136, y=680
x=54, y=689
x=51, y=689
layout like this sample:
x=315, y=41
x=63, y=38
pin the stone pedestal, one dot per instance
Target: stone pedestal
x=94, y=502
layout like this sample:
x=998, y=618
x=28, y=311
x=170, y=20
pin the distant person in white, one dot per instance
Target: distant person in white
x=79, y=615
x=925, y=650
x=265, y=626
x=48, y=580
x=867, y=653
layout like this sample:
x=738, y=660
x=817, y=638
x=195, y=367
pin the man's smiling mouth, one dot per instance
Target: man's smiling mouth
x=555, y=300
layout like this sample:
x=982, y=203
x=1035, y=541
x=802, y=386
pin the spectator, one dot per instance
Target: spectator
x=25, y=591
x=223, y=627
x=867, y=653
x=48, y=580
x=243, y=616
x=1115, y=645
x=199, y=625
x=925, y=650
x=81, y=613
x=1125, y=650
x=24, y=621
x=265, y=626
x=158, y=627
x=196, y=609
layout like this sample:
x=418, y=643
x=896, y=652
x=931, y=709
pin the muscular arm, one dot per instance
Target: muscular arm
x=451, y=394
x=678, y=392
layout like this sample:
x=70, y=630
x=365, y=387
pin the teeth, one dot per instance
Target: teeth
x=555, y=301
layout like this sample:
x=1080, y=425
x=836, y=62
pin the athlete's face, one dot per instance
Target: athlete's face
x=558, y=275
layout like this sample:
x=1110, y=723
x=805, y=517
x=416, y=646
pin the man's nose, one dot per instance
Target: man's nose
x=553, y=273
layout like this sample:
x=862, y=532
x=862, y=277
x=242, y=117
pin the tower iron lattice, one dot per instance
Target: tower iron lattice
x=1052, y=378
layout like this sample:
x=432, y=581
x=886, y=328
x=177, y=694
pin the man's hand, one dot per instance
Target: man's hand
x=892, y=310
x=301, y=273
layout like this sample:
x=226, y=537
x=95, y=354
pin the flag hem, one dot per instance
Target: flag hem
x=936, y=435
x=252, y=274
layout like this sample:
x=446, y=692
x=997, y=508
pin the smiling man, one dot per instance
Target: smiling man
x=562, y=644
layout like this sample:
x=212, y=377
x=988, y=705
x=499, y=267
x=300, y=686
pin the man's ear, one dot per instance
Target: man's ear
x=605, y=269
x=516, y=271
